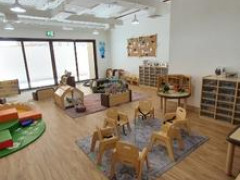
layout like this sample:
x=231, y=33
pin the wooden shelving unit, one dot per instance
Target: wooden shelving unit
x=221, y=98
x=148, y=75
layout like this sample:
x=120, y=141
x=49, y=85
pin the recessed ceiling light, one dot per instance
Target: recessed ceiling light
x=95, y=32
x=67, y=28
x=9, y=27
x=17, y=8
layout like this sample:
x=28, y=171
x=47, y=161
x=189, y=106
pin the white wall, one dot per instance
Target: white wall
x=60, y=34
x=120, y=35
x=204, y=34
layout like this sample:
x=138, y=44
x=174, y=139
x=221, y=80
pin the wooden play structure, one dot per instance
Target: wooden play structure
x=166, y=136
x=179, y=118
x=144, y=109
x=67, y=96
x=116, y=119
x=129, y=154
x=107, y=140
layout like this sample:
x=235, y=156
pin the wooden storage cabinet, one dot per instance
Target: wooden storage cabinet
x=220, y=98
x=148, y=75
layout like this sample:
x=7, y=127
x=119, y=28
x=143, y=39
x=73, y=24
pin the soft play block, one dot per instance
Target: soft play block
x=5, y=139
x=26, y=123
x=8, y=115
x=34, y=115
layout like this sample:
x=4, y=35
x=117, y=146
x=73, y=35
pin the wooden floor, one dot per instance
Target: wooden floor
x=55, y=156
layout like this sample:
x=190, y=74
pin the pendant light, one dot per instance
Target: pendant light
x=135, y=20
x=17, y=8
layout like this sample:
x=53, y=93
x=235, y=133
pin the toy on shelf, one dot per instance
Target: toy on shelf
x=107, y=140
x=166, y=136
x=116, y=120
x=129, y=154
x=179, y=118
x=67, y=96
x=144, y=110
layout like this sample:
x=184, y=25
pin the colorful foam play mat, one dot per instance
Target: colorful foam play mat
x=158, y=157
x=14, y=135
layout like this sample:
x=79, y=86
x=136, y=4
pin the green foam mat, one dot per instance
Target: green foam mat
x=23, y=136
x=8, y=125
x=5, y=135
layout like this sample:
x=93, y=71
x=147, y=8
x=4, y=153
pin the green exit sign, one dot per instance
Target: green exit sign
x=49, y=33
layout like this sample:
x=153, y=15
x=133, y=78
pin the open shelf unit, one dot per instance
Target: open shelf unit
x=221, y=98
x=148, y=75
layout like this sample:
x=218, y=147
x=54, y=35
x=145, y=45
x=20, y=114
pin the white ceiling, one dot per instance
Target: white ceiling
x=97, y=14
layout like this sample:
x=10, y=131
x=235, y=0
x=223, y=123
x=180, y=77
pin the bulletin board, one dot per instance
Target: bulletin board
x=9, y=87
x=143, y=46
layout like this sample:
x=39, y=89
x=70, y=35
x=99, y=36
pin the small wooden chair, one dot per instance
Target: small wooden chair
x=144, y=109
x=166, y=136
x=129, y=154
x=116, y=119
x=107, y=140
x=179, y=118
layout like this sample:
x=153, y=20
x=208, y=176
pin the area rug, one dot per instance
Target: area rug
x=93, y=104
x=158, y=158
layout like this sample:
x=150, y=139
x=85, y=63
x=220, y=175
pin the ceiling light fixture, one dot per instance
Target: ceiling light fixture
x=9, y=27
x=17, y=8
x=135, y=20
x=95, y=32
x=67, y=28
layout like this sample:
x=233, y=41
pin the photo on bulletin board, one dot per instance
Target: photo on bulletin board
x=143, y=46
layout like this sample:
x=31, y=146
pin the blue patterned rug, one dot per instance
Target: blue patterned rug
x=158, y=158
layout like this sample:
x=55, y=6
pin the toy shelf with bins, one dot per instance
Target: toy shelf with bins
x=221, y=98
x=148, y=75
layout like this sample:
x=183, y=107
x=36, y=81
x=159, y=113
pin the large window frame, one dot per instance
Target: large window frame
x=53, y=60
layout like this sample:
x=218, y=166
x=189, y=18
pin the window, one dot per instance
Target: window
x=12, y=63
x=86, y=63
x=39, y=63
x=64, y=58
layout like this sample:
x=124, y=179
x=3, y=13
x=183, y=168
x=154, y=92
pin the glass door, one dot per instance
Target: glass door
x=39, y=63
x=85, y=60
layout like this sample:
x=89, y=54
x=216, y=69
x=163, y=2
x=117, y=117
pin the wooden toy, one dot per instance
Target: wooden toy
x=5, y=139
x=8, y=115
x=107, y=140
x=116, y=119
x=128, y=154
x=144, y=110
x=166, y=136
x=178, y=118
x=64, y=93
